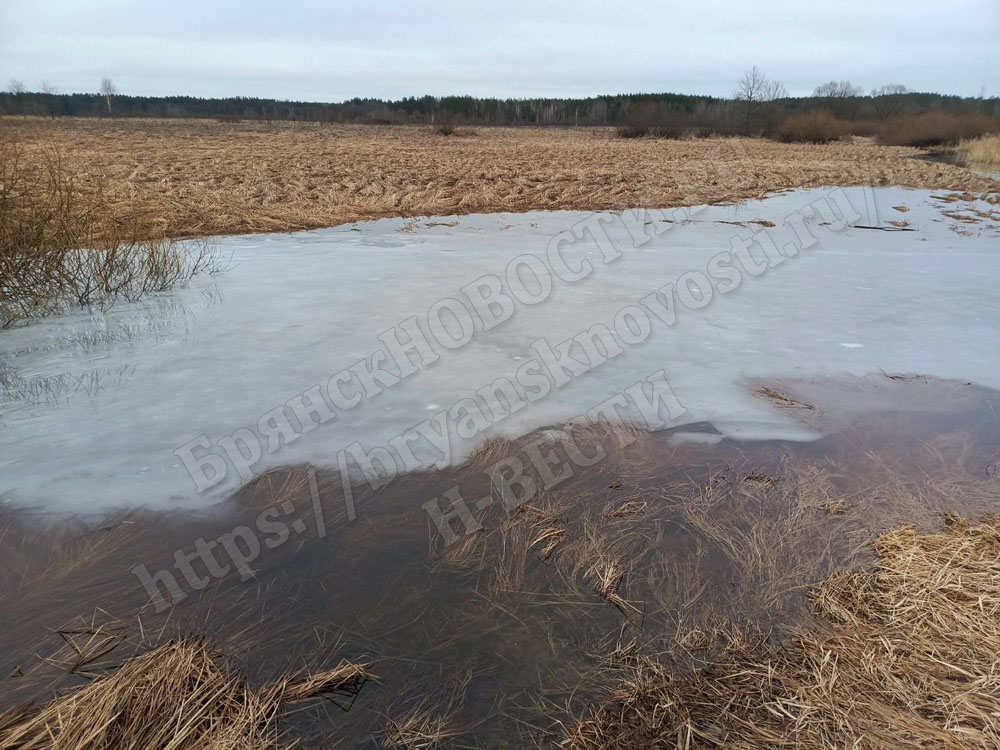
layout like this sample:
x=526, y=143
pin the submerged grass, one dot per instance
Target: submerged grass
x=905, y=655
x=673, y=595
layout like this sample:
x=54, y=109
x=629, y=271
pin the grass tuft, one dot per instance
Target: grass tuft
x=907, y=657
x=985, y=150
x=180, y=696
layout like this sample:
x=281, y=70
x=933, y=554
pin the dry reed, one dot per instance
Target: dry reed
x=985, y=150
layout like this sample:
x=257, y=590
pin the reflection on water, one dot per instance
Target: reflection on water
x=520, y=624
x=48, y=389
x=92, y=348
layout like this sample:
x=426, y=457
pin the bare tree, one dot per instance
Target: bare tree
x=108, y=90
x=890, y=89
x=837, y=90
x=888, y=100
x=750, y=87
x=755, y=90
x=774, y=90
x=49, y=104
x=841, y=97
x=826, y=91
x=16, y=87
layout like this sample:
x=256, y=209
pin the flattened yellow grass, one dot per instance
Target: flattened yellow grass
x=199, y=177
x=180, y=696
x=906, y=655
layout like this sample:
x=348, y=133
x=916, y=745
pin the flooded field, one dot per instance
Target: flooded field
x=423, y=339
x=564, y=470
x=508, y=634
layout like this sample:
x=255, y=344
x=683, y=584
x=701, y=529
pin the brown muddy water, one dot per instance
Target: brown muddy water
x=503, y=636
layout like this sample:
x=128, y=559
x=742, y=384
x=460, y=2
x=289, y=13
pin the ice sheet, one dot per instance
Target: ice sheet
x=95, y=404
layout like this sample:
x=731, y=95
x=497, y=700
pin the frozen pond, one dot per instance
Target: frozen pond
x=298, y=353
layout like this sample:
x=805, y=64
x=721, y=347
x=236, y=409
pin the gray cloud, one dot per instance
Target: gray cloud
x=306, y=49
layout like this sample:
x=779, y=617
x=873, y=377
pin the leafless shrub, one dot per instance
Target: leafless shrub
x=632, y=131
x=447, y=128
x=935, y=129
x=815, y=126
x=657, y=125
x=837, y=90
x=59, y=245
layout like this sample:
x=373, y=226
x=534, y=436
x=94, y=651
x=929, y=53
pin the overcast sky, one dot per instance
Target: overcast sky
x=329, y=51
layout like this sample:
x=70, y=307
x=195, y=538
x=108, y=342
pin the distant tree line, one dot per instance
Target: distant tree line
x=757, y=106
x=602, y=110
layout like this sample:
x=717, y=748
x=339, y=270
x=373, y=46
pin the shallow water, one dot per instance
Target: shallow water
x=490, y=633
x=804, y=412
x=97, y=407
x=950, y=157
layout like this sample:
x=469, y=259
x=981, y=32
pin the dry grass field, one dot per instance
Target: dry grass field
x=201, y=177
